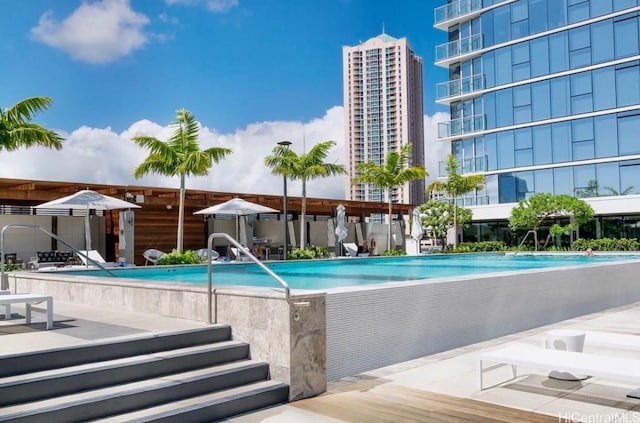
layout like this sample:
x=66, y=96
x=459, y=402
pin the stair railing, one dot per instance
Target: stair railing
x=243, y=250
x=535, y=240
x=5, y=285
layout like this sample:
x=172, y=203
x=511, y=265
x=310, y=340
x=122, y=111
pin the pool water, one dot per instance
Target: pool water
x=327, y=274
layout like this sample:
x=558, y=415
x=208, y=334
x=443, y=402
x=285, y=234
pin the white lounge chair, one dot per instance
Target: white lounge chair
x=351, y=248
x=152, y=255
x=203, y=253
x=94, y=257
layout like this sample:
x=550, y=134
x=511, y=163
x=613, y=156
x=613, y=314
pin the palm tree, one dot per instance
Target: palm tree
x=179, y=156
x=455, y=186
x=394, y=173
x=311, y=165
x=17, y=130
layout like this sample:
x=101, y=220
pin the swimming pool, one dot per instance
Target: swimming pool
x=338, y=273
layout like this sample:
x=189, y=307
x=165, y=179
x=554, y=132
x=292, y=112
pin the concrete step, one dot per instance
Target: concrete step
x=104, y=402
x=146, y=344
x=50, y=383
x=210, y=407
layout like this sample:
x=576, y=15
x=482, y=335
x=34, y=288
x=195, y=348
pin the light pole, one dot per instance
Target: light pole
x=285, y=245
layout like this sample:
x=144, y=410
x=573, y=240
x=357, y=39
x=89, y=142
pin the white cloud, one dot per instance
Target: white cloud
x=96, y=32
x=93, y=155
x=215, y=6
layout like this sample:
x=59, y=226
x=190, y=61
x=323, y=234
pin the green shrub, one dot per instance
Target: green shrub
x=394, y=252
x=311, y=252
x=12, y=267
x=607, y=244
x=186, y=257
x=479, y=247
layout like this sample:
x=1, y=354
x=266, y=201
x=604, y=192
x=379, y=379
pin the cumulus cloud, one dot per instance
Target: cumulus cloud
x=94, y=155
x=96, y=32
x=215, y=6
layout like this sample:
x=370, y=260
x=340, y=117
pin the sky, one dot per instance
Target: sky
x=253, y=72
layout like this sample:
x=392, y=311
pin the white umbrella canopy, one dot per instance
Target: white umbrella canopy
x=87, y=200
x=341, y=230
x=237, y=207
x=416, y=225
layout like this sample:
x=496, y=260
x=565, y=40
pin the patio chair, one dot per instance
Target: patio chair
x=152, y=255
x=351, y=248
x=203, y=253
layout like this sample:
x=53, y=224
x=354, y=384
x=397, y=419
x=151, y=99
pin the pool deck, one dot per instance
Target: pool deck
x=435, y=388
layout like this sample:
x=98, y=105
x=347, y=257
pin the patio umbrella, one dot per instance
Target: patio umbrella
x=416, y=227
x=237, y=207
x=87, y=200
x=341, y=230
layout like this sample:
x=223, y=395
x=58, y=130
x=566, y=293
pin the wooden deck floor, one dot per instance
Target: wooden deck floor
x=396, y=403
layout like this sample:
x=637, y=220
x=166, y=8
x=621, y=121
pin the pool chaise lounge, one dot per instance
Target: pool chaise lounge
x=608, y=367
x=28, y=299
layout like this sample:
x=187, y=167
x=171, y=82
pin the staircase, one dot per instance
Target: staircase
x=187, y=376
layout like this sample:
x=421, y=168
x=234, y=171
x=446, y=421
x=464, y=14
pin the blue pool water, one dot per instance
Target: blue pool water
x=326, y=274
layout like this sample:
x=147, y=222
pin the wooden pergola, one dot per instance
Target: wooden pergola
x=157, y=219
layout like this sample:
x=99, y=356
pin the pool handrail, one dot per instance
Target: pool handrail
x=535, y=241
x=253, y=258
x=5, y=228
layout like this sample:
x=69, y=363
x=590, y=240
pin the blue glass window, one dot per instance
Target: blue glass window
x=521, y=71
x=539, y=56
x=542, y=152
x=608, y=175
x=563, y=181
x=543, y=180
x=581, y=83
x=579, y=47
x=582, y=103
x=524, y=185
x=490, y=110
x=603, y=96
x=559, y=96
x=628, y=130
x=561, y=137
x=505, y=150
x=540, y=97
x=629, y=177
x=523, y=138
x=507, y=188
x=520, y=29
x=578, y=12
x=520, y=53
x=537, y=16
x=623, y=4
x=491, y=150
x=522, y=114
x=487, y=23
x=628, y=85
x=503, y=65
x=556, y=13
x=558, y=47
x=521, y=95
x=582, y=129
x=584, y=180
x=606, y=136
x=583, y=150
x=524, y=157
x=626, y=36
x=601, y=7
x=501, y=24
x=488, y=67
x=504, y=108
x=602, y=41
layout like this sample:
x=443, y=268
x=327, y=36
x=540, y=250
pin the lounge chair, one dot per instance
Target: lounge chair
x=203, y=253
x=94, y=257
x=351, y=249
x=152, y=255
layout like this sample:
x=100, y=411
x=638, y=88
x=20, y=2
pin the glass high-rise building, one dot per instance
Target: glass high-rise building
x=383, y=107
x=544, y=96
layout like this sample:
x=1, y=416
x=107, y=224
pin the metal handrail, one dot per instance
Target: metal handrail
x=535, y=240
x=253, y=258
x=52, y=235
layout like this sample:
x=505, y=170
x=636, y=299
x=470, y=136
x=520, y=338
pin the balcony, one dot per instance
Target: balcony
x=462, y=49
x=456, y=12
x=461, y=126
x=460, y=89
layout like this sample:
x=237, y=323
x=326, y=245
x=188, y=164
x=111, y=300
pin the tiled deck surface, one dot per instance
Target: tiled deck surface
x=440, y=387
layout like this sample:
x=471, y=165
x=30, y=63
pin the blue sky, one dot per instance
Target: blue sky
x=245, y=68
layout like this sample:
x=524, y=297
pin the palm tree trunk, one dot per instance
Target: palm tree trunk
x=181, y=215
x=390, y=223
x=455, y=222
x=303, y=212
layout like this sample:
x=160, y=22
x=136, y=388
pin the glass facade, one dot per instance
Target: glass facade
x=558, y=106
